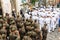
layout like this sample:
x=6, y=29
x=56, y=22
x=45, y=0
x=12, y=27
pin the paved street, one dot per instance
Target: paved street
x=54, y=35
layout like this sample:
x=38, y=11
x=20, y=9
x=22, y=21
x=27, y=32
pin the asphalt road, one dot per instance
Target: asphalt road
x=54, y=35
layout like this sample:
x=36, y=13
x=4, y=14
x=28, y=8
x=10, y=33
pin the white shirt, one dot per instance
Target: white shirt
x=34, y=17
x=34, y=13
x=41, y=20
x=27, y=16
x=48, y=20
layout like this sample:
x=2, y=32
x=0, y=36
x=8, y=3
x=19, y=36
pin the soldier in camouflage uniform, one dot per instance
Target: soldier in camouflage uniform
x=44, y=32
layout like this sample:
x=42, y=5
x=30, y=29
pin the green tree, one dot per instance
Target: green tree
x=33, y=1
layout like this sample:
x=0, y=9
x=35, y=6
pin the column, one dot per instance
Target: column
x=6, y=6
x=18, y=7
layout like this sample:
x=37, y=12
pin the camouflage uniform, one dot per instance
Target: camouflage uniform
x=26, y=38
x=44, y=32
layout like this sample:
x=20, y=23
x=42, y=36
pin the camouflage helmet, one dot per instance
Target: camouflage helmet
x=13, y=28
x=3, y=36
x=4, y=19
x=33, y=33
x=29, y=28
x=0, y=16
x=12, y=22
x=1, y=25
x=5, y=24
x=26, y=38
x=1, y=20
x=29, y=33
x=3, y=31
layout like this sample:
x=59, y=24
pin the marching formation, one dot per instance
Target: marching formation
x=49, y=15
x=32, y=25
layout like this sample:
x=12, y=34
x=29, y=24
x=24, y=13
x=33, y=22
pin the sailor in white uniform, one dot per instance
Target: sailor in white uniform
x=48, y=22
x=34, y=12
x=40, y=13
x=27, y=16
x=57, y=17
x=41, y=22
x=53, y=21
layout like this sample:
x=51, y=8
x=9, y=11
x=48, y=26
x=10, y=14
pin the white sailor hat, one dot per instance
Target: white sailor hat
x=47, y=9
x=54, y=12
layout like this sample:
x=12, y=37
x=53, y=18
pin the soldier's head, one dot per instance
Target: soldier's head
x=29, y=33
x=1, y=20
x=3, y=36
x=25, y=37
x=13, y=22
x=14, y=28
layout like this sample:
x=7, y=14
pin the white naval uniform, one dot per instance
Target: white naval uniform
x=48, y=22
x=26, y=16
x=34, y=18
x=53, y=21
x=34, y=13
x=57, y=17
x=40, y=13
x=41, y=22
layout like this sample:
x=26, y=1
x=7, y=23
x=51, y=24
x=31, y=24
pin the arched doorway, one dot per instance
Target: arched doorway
x=58, y=5
x=1, y=12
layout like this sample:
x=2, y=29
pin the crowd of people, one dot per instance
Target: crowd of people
x=20, y=28
x=32, y=25
x=49, y=15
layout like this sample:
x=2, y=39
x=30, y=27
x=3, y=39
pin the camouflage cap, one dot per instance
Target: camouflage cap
x=1, y=20
x=29, y=28
x=33, y=33
x=13, y=29
x=37, y=30
x=28, y=23
x=4, y=19
x=12, y=22
x=11, y=19
x=3, y=31
x=1, y=25
x=26, y=38
x=3, y=36
x=4, y=24
x=21, y=24
x=29, y=33
x=11, y=35
x=0, y=16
